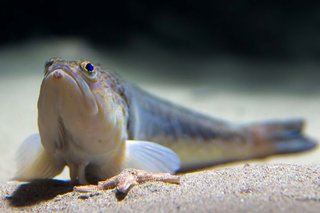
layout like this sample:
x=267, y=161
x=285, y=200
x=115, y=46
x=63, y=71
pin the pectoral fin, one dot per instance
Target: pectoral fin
x=151, y=157
x=33, y=162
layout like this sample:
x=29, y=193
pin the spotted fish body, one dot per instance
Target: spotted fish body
x=97, y=124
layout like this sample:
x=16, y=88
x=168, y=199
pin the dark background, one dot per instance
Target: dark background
x=279, y=40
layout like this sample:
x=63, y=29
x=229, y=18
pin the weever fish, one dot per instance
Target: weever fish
x=99, y=125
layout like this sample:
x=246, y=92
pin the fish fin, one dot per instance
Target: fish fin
x=284, y=136
x=151, y=157
x=33, y=162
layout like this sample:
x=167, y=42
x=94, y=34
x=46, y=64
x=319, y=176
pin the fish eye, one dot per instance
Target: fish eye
x=89, y=68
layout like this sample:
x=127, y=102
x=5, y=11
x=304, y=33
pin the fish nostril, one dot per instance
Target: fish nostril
x=57, y=74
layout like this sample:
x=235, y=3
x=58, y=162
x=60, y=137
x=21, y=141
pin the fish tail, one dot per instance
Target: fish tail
x=280, y=136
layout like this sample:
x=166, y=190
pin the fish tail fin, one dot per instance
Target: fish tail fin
x=33, y=162
x=280, y=136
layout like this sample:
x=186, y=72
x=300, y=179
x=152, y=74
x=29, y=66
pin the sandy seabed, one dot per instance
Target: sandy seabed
x=251, y=188
x=288, y=183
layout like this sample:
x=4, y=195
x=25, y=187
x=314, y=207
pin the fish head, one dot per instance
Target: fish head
x=70, y=85
x=76, y=106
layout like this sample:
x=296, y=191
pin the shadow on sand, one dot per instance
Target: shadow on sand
x=39, y=190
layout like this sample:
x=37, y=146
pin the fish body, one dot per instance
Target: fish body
x=98, y=124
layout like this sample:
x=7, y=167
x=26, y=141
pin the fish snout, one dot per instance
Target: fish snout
x=57, y=74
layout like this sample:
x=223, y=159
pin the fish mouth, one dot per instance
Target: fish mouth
x=58, y=72
x=62, y=73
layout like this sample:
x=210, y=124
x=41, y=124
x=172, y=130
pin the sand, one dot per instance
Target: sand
x=251, y=188
x=276, y=184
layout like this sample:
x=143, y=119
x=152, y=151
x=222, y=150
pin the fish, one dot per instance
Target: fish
x=98, y=124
